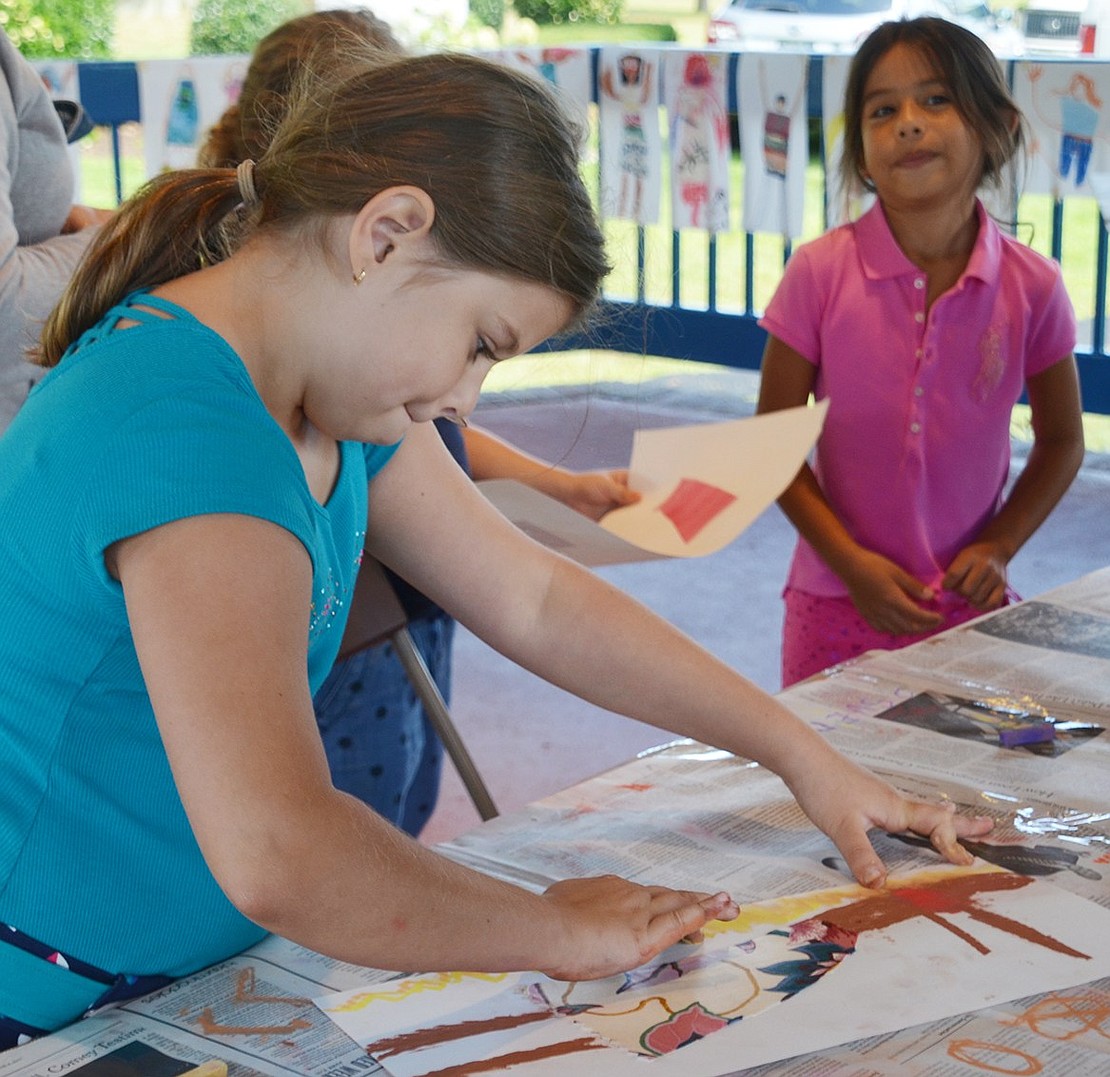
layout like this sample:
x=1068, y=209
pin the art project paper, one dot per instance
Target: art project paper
x=700, y=486
x=567, y=69
x=774, y=141
x=851, y=962
x=1065, y=106
x=631, y=147
x=180, y=100
x=697, y=109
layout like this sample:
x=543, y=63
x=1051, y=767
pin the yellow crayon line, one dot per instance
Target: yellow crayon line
x=208, y=1069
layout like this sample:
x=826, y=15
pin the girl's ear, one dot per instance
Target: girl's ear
x=394, y=219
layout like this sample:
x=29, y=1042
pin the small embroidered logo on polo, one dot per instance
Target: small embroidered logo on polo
x=991, y=365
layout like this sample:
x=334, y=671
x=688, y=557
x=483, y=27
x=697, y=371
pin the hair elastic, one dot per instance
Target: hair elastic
x=244, y=174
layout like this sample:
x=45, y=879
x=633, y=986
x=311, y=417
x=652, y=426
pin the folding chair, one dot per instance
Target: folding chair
x=377, y=616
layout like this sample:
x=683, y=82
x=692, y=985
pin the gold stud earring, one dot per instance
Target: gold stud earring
x=360, y=276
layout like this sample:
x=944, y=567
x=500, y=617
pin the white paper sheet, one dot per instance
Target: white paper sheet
x=700, y=486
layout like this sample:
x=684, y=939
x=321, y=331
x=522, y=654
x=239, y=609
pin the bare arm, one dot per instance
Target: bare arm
x=884, y=593
x=567, y=625
x=979, y=570
x=592, y=493
x=219, y=612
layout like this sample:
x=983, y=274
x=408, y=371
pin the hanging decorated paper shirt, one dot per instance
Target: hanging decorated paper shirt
x=180, y=100
x=566, y=69
x=631, y=147
x=696, y=97
x=774, y=140
x=1065, y=105
x=842, y=203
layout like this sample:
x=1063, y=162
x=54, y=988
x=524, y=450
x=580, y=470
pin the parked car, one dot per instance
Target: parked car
x=1052, y=27
x=840, y=25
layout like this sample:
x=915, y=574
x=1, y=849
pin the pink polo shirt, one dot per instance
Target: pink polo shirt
x=915, y=450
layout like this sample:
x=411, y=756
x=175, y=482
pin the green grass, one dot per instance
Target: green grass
x=141, y=34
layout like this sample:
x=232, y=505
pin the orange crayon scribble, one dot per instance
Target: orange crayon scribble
x=1064, y=1017
x=637, y=787
x=211, y=1027
x=694, y=505
x=245, y=992
x=974, y=1053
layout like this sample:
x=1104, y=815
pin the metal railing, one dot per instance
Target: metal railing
x=721, y=325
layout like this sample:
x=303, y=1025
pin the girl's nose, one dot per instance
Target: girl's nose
x=909, y=122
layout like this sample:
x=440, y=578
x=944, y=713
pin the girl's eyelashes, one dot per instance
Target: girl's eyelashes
x=484, y=349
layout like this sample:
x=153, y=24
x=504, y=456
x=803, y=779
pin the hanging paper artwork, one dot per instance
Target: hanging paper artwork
x=179, y=101
x=696, y=97
x=631, y=147
x=842, y=203
x=774, y=140
x=567, y=69
x=1065, y=106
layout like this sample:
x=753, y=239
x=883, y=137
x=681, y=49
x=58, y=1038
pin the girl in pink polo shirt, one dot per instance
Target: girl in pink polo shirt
x=922, y=323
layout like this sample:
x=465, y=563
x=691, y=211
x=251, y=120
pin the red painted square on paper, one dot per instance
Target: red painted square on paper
x=693, y=505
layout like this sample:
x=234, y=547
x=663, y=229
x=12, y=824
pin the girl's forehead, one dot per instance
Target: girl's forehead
x=904, y=62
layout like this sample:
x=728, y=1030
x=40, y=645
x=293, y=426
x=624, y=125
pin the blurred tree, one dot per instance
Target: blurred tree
x=488, y=12
x=546, y=12
x=230, y=26
x=49, y=29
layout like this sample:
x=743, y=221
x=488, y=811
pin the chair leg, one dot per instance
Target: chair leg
x=436, y=709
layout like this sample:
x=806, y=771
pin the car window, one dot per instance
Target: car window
x=815, y=7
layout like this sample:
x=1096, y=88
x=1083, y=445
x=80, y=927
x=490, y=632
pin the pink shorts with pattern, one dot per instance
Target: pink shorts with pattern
x=819, y=632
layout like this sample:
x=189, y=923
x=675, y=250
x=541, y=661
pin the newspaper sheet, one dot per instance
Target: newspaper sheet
x=691, y=816
x=1051, y=654
x=254, y=1012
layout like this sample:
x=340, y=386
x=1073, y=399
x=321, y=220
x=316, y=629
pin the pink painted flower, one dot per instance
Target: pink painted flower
x=681, y=1028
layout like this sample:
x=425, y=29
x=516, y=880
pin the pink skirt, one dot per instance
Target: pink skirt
x=820, y=632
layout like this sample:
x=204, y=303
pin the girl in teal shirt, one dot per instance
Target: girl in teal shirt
x=185, y=506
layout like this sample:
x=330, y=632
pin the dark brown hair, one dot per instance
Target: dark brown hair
x=967, y=67
x=492, y=147
x=278, y=63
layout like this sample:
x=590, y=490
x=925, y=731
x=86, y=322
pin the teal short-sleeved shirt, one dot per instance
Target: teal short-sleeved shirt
x=136, y=427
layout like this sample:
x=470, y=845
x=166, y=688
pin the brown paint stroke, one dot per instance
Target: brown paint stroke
x=518, y=1058
x=426, y=1037
x=953, y=895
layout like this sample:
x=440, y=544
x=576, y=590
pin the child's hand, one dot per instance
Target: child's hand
x=846, y=801
x=613, y=925
x=889, y=598
x=978, y=572
x=594, y=493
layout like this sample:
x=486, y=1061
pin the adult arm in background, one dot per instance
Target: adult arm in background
x=42, y=234
x=219, y=605
x=978, y=571
x=592, y=493
x=885, y=594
